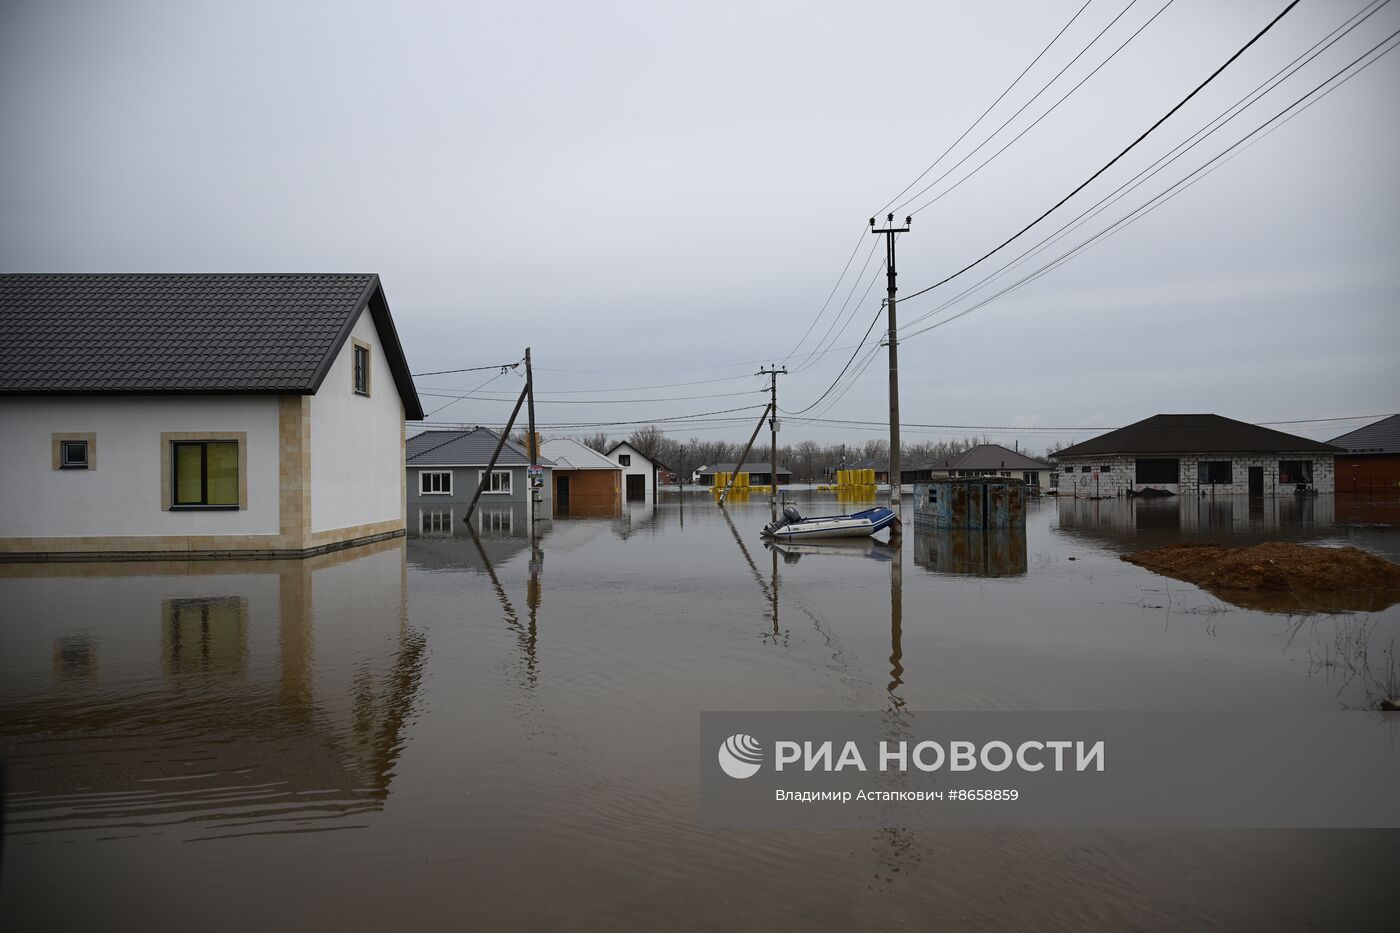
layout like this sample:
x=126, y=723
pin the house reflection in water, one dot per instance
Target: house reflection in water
x=977, y=552
x=1132, y=524
x=206, y=698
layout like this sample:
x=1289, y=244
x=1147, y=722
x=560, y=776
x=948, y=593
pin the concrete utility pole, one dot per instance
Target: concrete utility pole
x=773, y=374
x=895, y=474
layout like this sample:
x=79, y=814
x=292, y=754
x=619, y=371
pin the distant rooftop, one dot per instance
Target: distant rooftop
x=465, y=448
x=989, y=457
x=569, y=454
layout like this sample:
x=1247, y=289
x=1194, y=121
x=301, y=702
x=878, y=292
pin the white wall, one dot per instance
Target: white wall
x=122, y=494
x=356, y=462
x=641, y=466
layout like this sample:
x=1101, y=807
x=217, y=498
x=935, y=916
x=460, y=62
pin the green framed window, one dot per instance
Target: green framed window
x=205, y=474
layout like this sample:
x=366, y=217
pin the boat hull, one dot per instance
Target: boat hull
x=858, y=525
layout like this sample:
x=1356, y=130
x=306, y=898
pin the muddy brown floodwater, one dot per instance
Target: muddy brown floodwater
x=477, y=733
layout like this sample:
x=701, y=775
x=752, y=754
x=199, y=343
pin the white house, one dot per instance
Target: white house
x=199, y=415
x=638, y=472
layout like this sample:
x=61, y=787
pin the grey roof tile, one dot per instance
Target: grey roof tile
x=1381, y=437
x=178, y=333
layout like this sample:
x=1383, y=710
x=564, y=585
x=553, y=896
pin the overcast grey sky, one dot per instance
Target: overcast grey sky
x=665, y=193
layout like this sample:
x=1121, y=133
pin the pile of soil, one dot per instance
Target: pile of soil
x=1364, y=581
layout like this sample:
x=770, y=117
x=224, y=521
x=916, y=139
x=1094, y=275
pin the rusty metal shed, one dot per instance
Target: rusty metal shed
x=971, y=502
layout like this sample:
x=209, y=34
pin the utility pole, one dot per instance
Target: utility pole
x=738, y=467
x=773, y=374
x=895, y=474
x=532, y=442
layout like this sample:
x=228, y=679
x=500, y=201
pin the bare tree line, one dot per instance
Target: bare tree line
x=808, y=460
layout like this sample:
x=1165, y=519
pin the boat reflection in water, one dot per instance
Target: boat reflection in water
x=793, y=551
x=976, y=552
x=205, y=699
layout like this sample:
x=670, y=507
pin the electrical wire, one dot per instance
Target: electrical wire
x=1053, y=107
x=1111, y=162
x=1022, y=109
x=1171, y=156
x=469, y=369
x=1178, y=187
x=589, y=401
x=978, y=121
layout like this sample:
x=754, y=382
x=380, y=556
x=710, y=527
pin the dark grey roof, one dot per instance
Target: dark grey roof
x=750, y=466
x=1383, y=437
x=464, y=448
x=1190, y=434
x=183, y=334
x=989, y=457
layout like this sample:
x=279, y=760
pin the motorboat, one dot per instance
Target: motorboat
x=792, y=526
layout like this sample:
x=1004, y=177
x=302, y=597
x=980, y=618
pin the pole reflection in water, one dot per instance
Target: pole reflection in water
x=770, y=590
x=896, y=631
x=206, y=699
x=527, y=633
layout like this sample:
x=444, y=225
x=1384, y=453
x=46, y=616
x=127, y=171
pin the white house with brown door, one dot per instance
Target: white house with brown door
x=639, y=472
x=199, y=415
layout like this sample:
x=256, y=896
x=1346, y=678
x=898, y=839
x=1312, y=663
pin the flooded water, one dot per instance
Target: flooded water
x=490, y=732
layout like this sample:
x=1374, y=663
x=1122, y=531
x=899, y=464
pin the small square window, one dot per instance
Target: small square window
x=624, y=459
x=73, y=455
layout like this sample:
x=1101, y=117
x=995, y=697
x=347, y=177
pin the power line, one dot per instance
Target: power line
x=600, y=401
x=469, y=369
x=978, y=121
x=1046, y=87
x=696, y=415
x=1114, y=160
x=1053, y=107
x=459, y=398
x=1176, y=188
x=1173, y=155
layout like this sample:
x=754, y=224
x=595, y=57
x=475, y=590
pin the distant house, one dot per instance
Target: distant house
x=1195, y=454
x=199, y=415
x=639, y=472
x=586, y=483
x=993, y=460
x=1371, y=462
x=760, y=473
x=445, y=467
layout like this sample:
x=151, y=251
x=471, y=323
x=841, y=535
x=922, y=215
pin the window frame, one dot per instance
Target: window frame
x=65, y=462
x=59, y=443
x=1206, y=471
x=485, y=484
x=357, y=348
x=624, y=460
x=204, y=505
x=423, y=480
x=1287, y=479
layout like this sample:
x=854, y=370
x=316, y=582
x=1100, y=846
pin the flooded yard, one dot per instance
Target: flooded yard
x=491, y=731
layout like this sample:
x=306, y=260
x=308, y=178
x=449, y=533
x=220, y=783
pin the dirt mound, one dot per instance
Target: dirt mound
x=1276, y=568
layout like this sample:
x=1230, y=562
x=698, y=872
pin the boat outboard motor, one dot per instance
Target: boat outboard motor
x=790, y=516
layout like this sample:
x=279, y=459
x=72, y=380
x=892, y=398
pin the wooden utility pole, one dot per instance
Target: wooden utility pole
x=773, y=374
x=532, y=449
x=745, y=455
x=895, y=474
